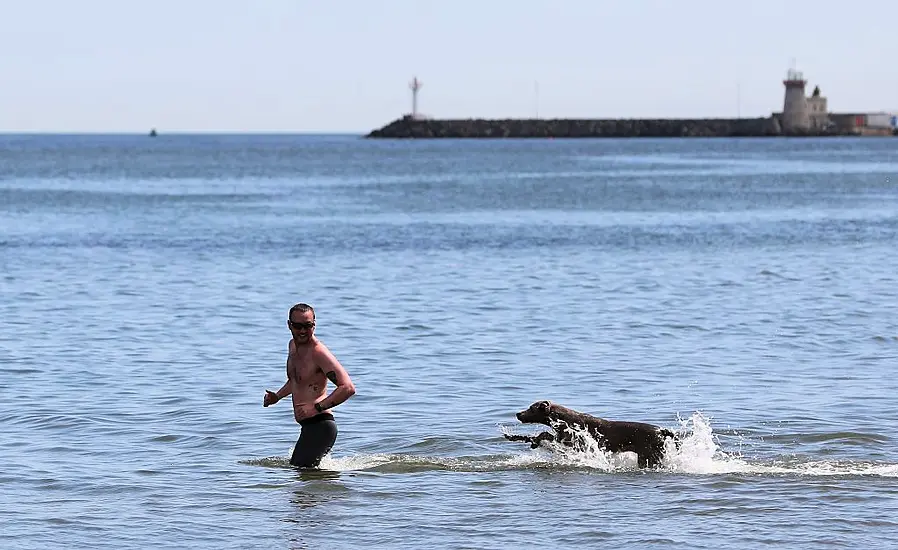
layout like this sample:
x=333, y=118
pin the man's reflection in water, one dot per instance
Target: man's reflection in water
x=315, y=488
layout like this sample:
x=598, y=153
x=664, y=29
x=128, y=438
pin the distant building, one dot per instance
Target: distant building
x=864, y=124
x=810, y=114
x=818, y=115
x=795, y=117
x=848, y=122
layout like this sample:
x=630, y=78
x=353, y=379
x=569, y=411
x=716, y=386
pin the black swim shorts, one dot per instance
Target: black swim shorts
x=316, y=438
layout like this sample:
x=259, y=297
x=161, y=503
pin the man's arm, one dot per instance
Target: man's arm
x=338, y=375
x=272, y=397
x=285, y=390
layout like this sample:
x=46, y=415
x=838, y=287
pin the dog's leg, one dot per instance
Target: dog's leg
x=545, y=436
x=564, y=435
x=533, y=440
x=651, y=458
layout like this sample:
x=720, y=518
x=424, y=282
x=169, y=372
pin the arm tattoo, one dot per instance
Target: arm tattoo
x=332, y=376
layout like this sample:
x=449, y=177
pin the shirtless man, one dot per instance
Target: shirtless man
x=309, y=366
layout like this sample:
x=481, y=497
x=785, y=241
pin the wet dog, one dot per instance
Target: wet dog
x=646, y=440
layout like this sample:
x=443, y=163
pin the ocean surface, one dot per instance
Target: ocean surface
x=740, y=292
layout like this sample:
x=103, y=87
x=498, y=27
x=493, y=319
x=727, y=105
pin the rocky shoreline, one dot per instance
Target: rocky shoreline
x=409, y=127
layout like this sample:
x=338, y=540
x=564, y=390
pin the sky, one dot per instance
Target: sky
x=344, y=66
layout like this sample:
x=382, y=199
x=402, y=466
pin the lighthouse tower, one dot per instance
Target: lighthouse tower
x=795, y=104
x=415, y=86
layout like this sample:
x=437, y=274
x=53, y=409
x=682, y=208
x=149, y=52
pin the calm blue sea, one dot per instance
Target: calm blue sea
x=741, y=292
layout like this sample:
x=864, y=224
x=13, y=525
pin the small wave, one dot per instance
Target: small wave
x=406, y=463
x=846, y=437
x=268, y=462
x=825, y=468
x=769, y=273
x=843, y=437
x=680, y=463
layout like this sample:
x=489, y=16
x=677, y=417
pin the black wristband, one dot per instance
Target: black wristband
x=318, y=407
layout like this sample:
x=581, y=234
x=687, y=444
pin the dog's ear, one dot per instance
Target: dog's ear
x=544, y=406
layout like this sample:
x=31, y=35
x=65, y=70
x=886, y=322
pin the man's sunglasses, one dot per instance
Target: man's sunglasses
x=302, y=325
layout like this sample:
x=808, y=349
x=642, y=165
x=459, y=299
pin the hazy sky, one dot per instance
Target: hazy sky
x=344, y=65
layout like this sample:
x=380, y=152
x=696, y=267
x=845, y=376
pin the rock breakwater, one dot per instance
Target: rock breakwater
x=409, y=127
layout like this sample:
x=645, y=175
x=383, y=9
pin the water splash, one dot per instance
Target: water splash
x=700, y=451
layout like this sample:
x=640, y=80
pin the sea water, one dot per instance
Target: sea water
x=739, y=292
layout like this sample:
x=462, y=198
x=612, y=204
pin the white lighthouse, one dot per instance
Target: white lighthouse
x=415, y=86
x=795, y=104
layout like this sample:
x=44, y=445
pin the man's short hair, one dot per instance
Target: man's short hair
x=302, y=308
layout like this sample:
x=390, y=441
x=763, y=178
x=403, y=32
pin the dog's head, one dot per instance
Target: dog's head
x=538, y=413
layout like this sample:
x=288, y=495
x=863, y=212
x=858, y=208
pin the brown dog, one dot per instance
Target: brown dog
x=646, y=440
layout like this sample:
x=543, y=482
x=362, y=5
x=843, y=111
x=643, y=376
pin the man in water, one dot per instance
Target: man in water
x=309, y=366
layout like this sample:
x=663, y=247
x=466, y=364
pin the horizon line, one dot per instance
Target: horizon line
x=159, y=133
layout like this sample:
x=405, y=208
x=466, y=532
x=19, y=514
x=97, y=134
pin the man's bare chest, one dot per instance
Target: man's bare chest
x=301, y=366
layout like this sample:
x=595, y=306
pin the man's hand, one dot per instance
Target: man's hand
x=304, y=411
x=270, y=398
